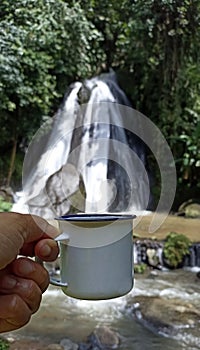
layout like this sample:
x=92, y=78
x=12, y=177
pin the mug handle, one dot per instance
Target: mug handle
x=58, y=283
x=52, y=281
x=62, y=237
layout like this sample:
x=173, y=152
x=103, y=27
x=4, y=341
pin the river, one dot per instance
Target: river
x=64, y=317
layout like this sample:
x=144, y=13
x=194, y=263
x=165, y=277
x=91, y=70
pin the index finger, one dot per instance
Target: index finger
x=35, y=228
x=17, y=230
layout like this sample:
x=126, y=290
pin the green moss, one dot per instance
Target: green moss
x=4, y=344
x=176, y=247
x=140, y=268
x=4, y=206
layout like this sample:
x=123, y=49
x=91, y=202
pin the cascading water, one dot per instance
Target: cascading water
x=141, y=249
x=84, y=158
x=193, y=258
x=70, y=163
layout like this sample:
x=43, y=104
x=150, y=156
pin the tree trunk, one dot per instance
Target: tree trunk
x=12, y=162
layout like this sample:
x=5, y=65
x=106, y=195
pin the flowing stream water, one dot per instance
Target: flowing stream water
x=64, y=317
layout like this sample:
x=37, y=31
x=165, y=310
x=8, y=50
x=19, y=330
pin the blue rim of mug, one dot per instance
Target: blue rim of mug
x=95, y=217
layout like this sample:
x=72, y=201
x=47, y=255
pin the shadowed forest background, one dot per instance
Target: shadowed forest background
x=153, y=46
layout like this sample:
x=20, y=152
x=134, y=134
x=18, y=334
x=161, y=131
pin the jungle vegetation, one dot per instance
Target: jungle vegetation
x=153, y=46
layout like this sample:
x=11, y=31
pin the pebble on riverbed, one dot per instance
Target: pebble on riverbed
x=67, y=344
x=54, y=347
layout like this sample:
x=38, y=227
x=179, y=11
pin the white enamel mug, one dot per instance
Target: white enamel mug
x=96, y=254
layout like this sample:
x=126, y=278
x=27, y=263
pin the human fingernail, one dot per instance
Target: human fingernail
x=46, y=250
x=8, y=282
x=26, y=267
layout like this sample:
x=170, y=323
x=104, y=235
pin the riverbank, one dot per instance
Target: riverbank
x=179, y=224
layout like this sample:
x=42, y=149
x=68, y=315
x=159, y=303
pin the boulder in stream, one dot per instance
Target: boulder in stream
x=102, y=338
x=106, y=336
x=166, y=316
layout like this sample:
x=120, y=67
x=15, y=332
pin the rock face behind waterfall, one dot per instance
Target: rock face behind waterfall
x=87, y=158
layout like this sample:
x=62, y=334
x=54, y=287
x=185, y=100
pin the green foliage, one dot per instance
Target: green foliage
x=140, y=268
x=162, y=50
x=39, y=40
x=44, y=46
x=176, y=247
x=110, y=18
x=4, y=344
x=153, y=45
x=4, y=206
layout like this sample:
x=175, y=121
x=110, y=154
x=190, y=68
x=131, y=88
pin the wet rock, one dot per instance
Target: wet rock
x=193, y=210
x=7, y=194
x=67, y=344
x=103, y=337
x=190, y=208
x=83, y=346
x=149, y=251
x=153, y=274
x=166, y=316
x=95, y=343
x=152, y=257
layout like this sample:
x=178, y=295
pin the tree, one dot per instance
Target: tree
x=44, y=45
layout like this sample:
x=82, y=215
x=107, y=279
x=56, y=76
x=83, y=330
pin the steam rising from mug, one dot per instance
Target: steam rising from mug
x=79, y=159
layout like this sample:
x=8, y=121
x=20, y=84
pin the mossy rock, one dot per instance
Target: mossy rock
x=191, y=209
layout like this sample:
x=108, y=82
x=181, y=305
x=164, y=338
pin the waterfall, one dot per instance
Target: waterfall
x=193, y=258
x=84, y=159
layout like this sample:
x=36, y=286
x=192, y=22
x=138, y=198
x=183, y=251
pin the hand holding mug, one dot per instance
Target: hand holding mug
x=22, y=280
